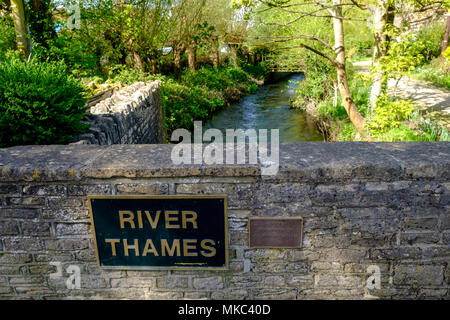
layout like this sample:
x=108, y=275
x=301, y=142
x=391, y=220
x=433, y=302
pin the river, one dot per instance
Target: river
x=269, y=108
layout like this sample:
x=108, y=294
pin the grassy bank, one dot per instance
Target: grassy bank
x=437, y=72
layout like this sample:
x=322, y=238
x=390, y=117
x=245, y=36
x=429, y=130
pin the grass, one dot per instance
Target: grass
x=437, y=72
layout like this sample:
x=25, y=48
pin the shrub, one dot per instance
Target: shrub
x=259, y=71
x=219, y=79
x=317, y=85
x=7, y=36
x=389, y=114
x=121, y=74
x=431, y=36
x=184, y=104
x=39, y=104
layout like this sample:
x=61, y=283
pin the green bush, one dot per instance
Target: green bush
x=7, y=36
x=125, y=75
x=431, y=36
x=259, y=71
x=184, y=104
x=219, y=79
x=39, y=104
x=388, y=115
x=317, y=85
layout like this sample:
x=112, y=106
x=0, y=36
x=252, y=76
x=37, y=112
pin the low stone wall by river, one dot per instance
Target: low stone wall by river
x=132, y=115
x=367, y=207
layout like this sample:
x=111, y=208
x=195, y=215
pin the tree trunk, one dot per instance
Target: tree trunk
x=137, y=60
x=382, y=15
x=215, y=53
x=355, y=117
x=447, y=34
x=191, y=57
x=20, y=27
x=234, y=54
x=136, y=57
x=177, y=62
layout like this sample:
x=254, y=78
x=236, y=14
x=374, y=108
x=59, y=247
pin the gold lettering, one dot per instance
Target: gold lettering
x=134, y=247
x=171, y=251
x=129, y=219
x=186, y=247
x=140, y=224
x=148, y=244
x=168, y=219
x=192, y=219
x=153, y=223
x=113, y=245
x=204, y=245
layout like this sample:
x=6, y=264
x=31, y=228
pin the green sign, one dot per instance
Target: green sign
x=160, y=232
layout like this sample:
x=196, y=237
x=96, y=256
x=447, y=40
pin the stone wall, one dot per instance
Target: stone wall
x=366, y=207
x=132, y=115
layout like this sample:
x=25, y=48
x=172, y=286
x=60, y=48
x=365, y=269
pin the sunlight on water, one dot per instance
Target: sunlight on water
x=269, y=108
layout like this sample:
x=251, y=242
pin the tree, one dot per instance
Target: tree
x=447, y=33
x=20, y=26
x=383, y=16
x=185, y=19
x=39, y=14
x=384, y=12
x=124, y=33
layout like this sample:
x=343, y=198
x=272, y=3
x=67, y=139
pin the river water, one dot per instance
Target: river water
x=269, y=108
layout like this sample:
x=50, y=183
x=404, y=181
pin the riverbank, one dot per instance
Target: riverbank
x=197, y=95
x=410, y=111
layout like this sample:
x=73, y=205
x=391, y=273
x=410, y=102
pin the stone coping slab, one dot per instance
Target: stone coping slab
x=303, y=161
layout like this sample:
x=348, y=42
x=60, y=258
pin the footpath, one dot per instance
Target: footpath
x=433, y=101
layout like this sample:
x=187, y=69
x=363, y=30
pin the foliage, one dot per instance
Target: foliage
x=403, y=56
x=121, y=74
x=433, y=131
x=437, y=72
x=76, y=54
x=431, y=36
x=446, y=53
x=184, y=104
x=7, y=35
x=318, y=84
x=39, y=104
x=400, y=133
x=39, y=15
x=218, y=79
x=388, y=114
x=257, y=71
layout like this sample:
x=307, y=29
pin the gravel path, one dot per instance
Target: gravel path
x=434, y=101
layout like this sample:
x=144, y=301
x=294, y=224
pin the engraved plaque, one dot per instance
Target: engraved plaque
x=275, y=232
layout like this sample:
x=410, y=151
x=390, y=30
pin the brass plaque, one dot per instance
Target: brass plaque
x=275, y=232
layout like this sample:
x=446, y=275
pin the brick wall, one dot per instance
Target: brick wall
x=381, y=205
